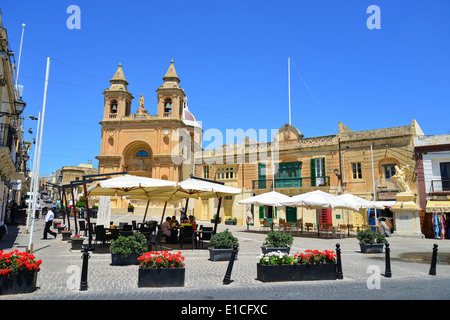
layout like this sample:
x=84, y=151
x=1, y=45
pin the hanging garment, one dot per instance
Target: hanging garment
x=435, y=226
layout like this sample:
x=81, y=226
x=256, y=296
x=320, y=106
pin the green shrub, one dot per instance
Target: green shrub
x=276, y=239
x=369, y=236
x=127, y=245
x=223, y=240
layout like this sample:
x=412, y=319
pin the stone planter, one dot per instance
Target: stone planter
x=371, y=248
x=118, y=260
x=221, y=254
x=165, y=277
x=77, y=244
x=24, y=282
x=297, y=272
x=214, y=220
x=66, y=235
x=60, y=229
x=230, y=223
x=265, y=249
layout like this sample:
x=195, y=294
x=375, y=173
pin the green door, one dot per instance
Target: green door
x=291, y=214
x=288, y=175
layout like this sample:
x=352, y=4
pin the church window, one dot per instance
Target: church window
x=142, y=154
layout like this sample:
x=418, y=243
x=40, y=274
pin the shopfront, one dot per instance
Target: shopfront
x=437, y=218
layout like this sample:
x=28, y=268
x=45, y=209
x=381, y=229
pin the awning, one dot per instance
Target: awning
x=386, y=203
x=438, y=206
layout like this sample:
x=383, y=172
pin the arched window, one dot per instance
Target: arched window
x=113, y=106
x=141, y=154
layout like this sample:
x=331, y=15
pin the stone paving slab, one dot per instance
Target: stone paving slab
x=204, y=278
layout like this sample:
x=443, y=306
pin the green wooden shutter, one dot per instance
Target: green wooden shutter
x=313, y=172
x=324, y=171
x=261, y=212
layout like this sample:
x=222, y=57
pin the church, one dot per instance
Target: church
x=155, y=146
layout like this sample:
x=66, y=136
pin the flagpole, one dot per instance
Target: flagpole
x=30, y=244
x=20, y=55
x=32, y=198
x=289, y=88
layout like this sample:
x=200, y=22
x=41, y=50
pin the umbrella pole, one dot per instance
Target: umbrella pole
x=185, y=209
x=88, y=218
x=65, y=209
x=164, y=211
x=146, y=208
x=74, y=213
x=217, y=215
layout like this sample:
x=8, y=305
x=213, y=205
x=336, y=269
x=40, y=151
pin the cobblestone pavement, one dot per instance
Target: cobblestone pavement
x=204, y=278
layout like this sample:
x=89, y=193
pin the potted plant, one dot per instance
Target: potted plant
x=130, y=208
x=18, y=272
x=77, y=242
x=311, y=265
x=277, y=241
x=126, y=250
x=231, y=221
x=221, y=246
x=213, y=220
x=161, y=269
x=371, y=241
x=60, y=227
x=66, y=233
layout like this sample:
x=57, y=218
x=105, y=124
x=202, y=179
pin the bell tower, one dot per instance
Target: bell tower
x=170, y=96
x=117, y=102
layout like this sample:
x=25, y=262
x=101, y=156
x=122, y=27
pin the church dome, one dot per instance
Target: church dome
x=188, y=118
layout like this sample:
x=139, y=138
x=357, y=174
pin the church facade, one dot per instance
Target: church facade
x=143, y=144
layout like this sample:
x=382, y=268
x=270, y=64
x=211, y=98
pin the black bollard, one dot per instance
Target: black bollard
x=388, y=272
x=227, y=278
x=339, y=274
x=84, y=270
x=433, y=261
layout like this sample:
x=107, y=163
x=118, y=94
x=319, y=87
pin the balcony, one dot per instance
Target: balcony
x=440, y=187
x=7, y=136
x=304, y=182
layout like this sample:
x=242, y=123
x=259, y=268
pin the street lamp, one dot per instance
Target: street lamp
x=19, y=106
x=338, y=175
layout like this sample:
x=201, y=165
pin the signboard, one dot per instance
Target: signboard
x=16, y=184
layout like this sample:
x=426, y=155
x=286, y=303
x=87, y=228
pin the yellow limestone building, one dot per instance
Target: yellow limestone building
x=144, y=144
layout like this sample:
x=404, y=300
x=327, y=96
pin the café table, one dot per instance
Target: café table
x=200, y=233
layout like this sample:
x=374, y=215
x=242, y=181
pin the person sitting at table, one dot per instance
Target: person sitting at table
x=192, y=222
x=174, y=222
x=166, y=228
x=185, y=223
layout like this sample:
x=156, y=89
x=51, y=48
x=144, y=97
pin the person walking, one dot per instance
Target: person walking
x=48, y=223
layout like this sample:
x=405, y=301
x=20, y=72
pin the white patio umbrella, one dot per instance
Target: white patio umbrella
x=318, y=200
x=358, y=202
x=271, y=198
x=205, y=190
x=134, y=186
x=104, y=211
x=192, y=188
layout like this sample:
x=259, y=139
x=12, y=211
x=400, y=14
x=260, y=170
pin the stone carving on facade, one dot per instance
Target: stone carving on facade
x=141, y=109
x=401, y=178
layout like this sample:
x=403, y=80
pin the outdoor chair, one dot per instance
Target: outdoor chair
x=186, y=235
x=83, y=227
x=134, y=224
x=205, y=236
x=157, y=241
x=101, y=235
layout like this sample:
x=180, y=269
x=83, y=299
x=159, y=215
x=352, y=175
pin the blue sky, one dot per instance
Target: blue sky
x=231, y=57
